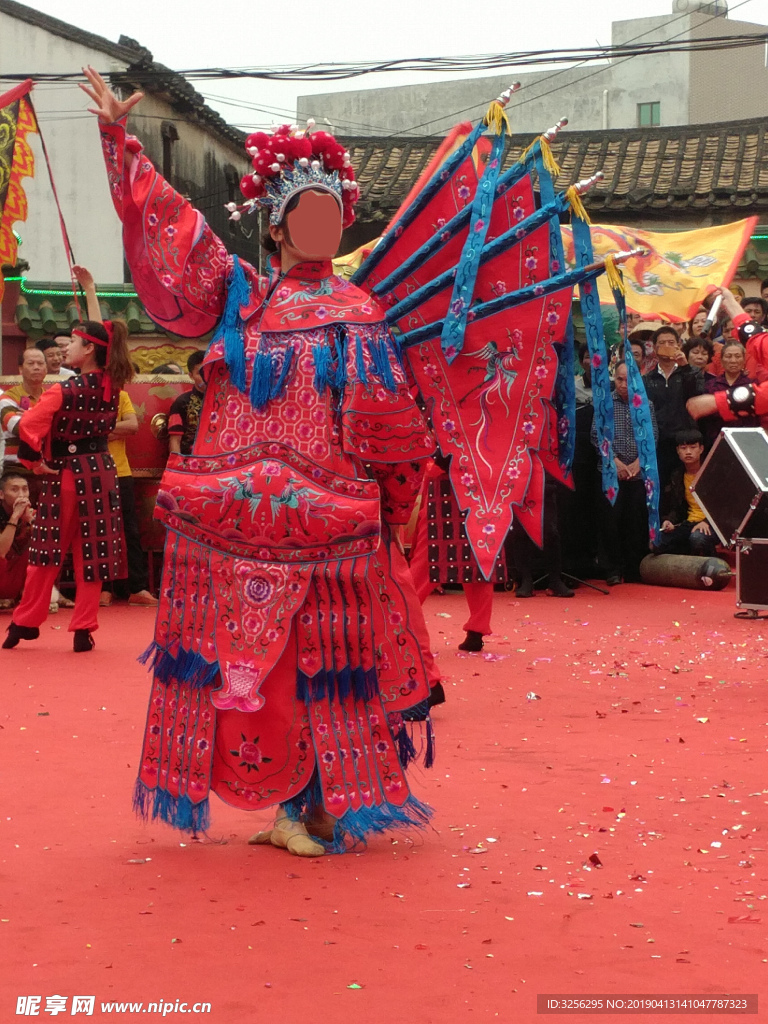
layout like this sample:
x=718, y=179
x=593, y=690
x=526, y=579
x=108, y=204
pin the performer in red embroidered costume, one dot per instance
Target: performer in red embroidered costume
x=63, y=439
x=284, y=655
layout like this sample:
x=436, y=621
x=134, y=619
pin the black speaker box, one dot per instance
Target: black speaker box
x=752, y=575
x=732, y=484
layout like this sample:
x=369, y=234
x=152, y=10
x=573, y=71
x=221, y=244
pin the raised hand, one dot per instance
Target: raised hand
x=108, y=108
x=83, y=276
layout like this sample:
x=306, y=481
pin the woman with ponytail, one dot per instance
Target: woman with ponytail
x=63, y=439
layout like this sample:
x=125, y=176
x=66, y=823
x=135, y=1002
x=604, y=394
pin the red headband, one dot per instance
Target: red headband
x=107, y=324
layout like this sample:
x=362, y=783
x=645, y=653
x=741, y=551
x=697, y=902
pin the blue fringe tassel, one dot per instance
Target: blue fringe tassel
x=261, y=381
x=321, y=354
x=282, y=377
x=187, y=667
x=429, y=757
x=406, y=749
x=231, y=325
x=340, y=344
x=360, y=370
x=361, y=684
x=379, y=351
x=354, y=827
x=180, y=812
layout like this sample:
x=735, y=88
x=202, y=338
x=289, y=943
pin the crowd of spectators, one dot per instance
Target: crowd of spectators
x=39, y=365
x=677, y=362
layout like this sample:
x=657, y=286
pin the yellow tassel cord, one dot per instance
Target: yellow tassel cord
x=496, y=118
x=577, y=207
x=547, y=156
x=613, y=274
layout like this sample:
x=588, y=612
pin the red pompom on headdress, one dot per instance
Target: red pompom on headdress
x=288, y=161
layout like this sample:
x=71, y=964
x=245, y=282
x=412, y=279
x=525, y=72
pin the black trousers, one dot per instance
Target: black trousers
x=623, y=538
x=138, y=577
x=683, y=541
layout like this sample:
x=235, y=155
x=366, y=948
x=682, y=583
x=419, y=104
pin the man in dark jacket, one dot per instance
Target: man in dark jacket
x=669, y=386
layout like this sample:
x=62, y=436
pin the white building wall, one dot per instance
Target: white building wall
x=74, y=148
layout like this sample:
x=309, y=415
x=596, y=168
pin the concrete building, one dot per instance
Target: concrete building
x=189, y=142
x=659, y=90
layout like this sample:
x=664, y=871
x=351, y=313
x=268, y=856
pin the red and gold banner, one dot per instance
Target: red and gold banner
x=678, y=268
x=17, y=120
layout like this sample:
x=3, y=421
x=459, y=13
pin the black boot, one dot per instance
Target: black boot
x=472, y=642
x=525, y=587
x=16, y=633
x=557, y=588
x=83, y=641
x=436, y=695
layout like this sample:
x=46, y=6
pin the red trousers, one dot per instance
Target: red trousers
x=480, y=600
x=33, y=609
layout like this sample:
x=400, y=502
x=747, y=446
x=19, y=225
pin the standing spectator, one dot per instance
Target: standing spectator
x=138, y=578
x=62, y=338
x=764, y=290
x=684, y=528
x=584, y=381
x=669, y=387
x=696, y=324
x=184, y=414
x=756, y=308
x=699, y=352
x=16, y=516
x=25, y=395
x=54, y=361
x=623, y=526
x=733, y=358
x=167, y=368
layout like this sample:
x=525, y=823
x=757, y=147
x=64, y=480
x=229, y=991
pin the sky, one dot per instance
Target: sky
x=232, y=33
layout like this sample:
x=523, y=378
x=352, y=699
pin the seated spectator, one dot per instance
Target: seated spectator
x=623, y=526
x=756, y=308
x=684, y=528
x=184, y=414
x=669, y=387
x=167, y=368
x=584, y=381
x=54, y=360
x=16, y=516
x=699, y=352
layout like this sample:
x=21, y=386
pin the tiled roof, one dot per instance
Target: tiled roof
x=711, y=168
x=142, y=71
x=45, y=307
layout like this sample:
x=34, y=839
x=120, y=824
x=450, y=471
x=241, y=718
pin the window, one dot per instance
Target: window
x=648, y=115
x=169, y=136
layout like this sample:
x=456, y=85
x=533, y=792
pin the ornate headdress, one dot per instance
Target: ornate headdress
x=288, y=161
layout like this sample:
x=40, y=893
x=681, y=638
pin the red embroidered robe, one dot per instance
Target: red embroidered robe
x=284, y=651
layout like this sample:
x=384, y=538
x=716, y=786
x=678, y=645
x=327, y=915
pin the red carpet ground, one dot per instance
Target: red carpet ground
x=605, y=839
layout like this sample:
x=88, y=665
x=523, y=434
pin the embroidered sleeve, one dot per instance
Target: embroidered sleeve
x=35, y=426
x=178, y=265
x=380, y=420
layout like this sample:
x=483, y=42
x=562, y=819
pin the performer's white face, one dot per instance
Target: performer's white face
x=312, y=230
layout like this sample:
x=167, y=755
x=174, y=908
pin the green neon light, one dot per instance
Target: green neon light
x=63, y=291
